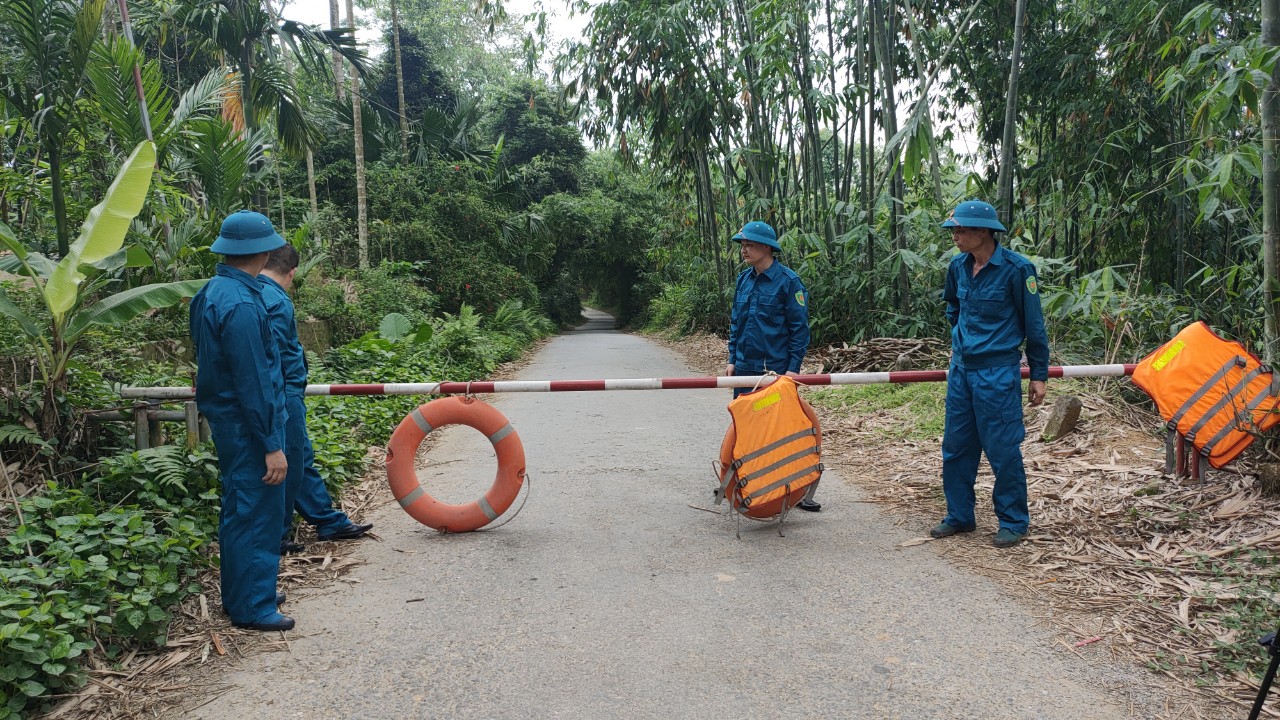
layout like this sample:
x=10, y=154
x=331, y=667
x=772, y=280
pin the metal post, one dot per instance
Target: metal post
x=1181, y=470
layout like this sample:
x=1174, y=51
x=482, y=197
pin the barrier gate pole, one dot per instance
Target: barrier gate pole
x=693, y=383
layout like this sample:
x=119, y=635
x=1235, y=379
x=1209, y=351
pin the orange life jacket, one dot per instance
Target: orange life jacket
x=1214, y=392
x=772, y=451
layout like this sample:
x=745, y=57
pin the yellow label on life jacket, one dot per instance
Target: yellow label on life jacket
x=1174, y=348
x=1211, y=391
x=766, y=401
x=775, y=453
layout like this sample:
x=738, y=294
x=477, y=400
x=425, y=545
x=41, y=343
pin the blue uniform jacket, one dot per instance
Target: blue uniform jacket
x=992, y=313
x=239, y=386
x=293, y=361
x=769, y=327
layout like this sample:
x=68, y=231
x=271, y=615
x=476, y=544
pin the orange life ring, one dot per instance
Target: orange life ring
x=415, y=500
x=769, y=509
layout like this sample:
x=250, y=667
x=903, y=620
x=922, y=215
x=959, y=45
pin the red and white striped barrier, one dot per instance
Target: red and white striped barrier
x=694, y=383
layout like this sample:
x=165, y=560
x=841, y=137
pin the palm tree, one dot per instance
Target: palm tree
x=244, y=33
x=53, y=39
x=362, y=198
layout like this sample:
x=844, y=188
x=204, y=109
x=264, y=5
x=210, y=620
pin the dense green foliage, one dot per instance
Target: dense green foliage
x=1137, y=142
x=481, y=219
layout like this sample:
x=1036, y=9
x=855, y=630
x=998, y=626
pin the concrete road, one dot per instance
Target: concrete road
x=610, y=597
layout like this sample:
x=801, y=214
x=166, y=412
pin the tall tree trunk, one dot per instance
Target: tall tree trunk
x=935, y=166
x=1271, y=184
x=890, y=121
x=818, y=183
x=145, y=114
x=362, y=198
x=866, y=118
x=395, y=44
x=54, y=153
x=1008, y=146
x=311, y=181
x=1180, y=212
x=337, y=58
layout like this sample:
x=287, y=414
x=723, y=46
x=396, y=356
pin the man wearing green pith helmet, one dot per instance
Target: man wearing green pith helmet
x=993, y=306
x=769, y=323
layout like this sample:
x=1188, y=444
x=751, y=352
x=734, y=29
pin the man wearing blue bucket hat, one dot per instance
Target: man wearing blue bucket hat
x=304, y=489
x=993, y=305
x=769, y=323
x=240, y=390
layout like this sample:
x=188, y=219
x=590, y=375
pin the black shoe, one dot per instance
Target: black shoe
x=945, y=529
x=289, y=548
x=350, y=531
x=809, y=506
x=271, y=623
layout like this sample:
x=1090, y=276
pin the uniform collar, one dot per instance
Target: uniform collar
x=240, y=276
x=770, y=272
x=267, y=280
x=997, y=257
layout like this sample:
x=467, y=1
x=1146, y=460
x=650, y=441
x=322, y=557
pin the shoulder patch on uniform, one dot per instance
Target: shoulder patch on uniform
x=1031, y=285
x=800, y=297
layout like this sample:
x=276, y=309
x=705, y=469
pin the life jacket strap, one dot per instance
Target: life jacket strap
x=1234, y=362
x=1230, y=397
x=1244, y=416
x=773, y=446
x=783, y=481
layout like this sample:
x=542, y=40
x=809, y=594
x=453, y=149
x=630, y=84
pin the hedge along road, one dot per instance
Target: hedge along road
x=609, y=597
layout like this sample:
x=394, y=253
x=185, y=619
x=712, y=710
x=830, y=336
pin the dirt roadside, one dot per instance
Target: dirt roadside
x=1124, y=563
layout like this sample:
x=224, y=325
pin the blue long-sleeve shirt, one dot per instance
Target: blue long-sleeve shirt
x=769, y=326
x=239, y=386
x=284, y=327
x=992, y=313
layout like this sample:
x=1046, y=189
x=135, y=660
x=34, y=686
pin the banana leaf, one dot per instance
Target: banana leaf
x=129, y=304
x=104, y=229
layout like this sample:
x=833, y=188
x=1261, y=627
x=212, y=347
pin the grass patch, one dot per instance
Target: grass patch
x=915, y=411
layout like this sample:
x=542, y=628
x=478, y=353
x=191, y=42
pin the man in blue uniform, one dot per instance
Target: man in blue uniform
x=769, y=324
x=993, y=305
x=240, y=390
x=304, y=489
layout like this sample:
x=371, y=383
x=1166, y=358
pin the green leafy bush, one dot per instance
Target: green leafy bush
x=354, y=306
x=74, y=572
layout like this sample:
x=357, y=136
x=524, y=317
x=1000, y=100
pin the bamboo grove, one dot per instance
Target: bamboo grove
x=1129, y=130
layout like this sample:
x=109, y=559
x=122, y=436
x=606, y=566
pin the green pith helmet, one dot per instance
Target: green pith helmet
x=758, y=232
x=246, y=233
x=974, y=213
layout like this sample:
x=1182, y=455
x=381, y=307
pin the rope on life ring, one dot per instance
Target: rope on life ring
x=403, y=479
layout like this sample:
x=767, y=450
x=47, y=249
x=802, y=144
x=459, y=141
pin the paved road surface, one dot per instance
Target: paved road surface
x=609, y=597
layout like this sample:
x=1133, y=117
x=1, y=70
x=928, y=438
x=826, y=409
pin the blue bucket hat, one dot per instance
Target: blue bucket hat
x=246, y=233
x=973, y=213
x=758, y=232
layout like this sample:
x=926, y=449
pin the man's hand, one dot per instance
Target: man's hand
x=277, y=465
x=729, y=370
x=792, y=374
x=1035, y=392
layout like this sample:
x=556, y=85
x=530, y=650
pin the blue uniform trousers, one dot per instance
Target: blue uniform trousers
x=984, y=414
x=746, y=371
x=304, y=488
x=248, y=527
